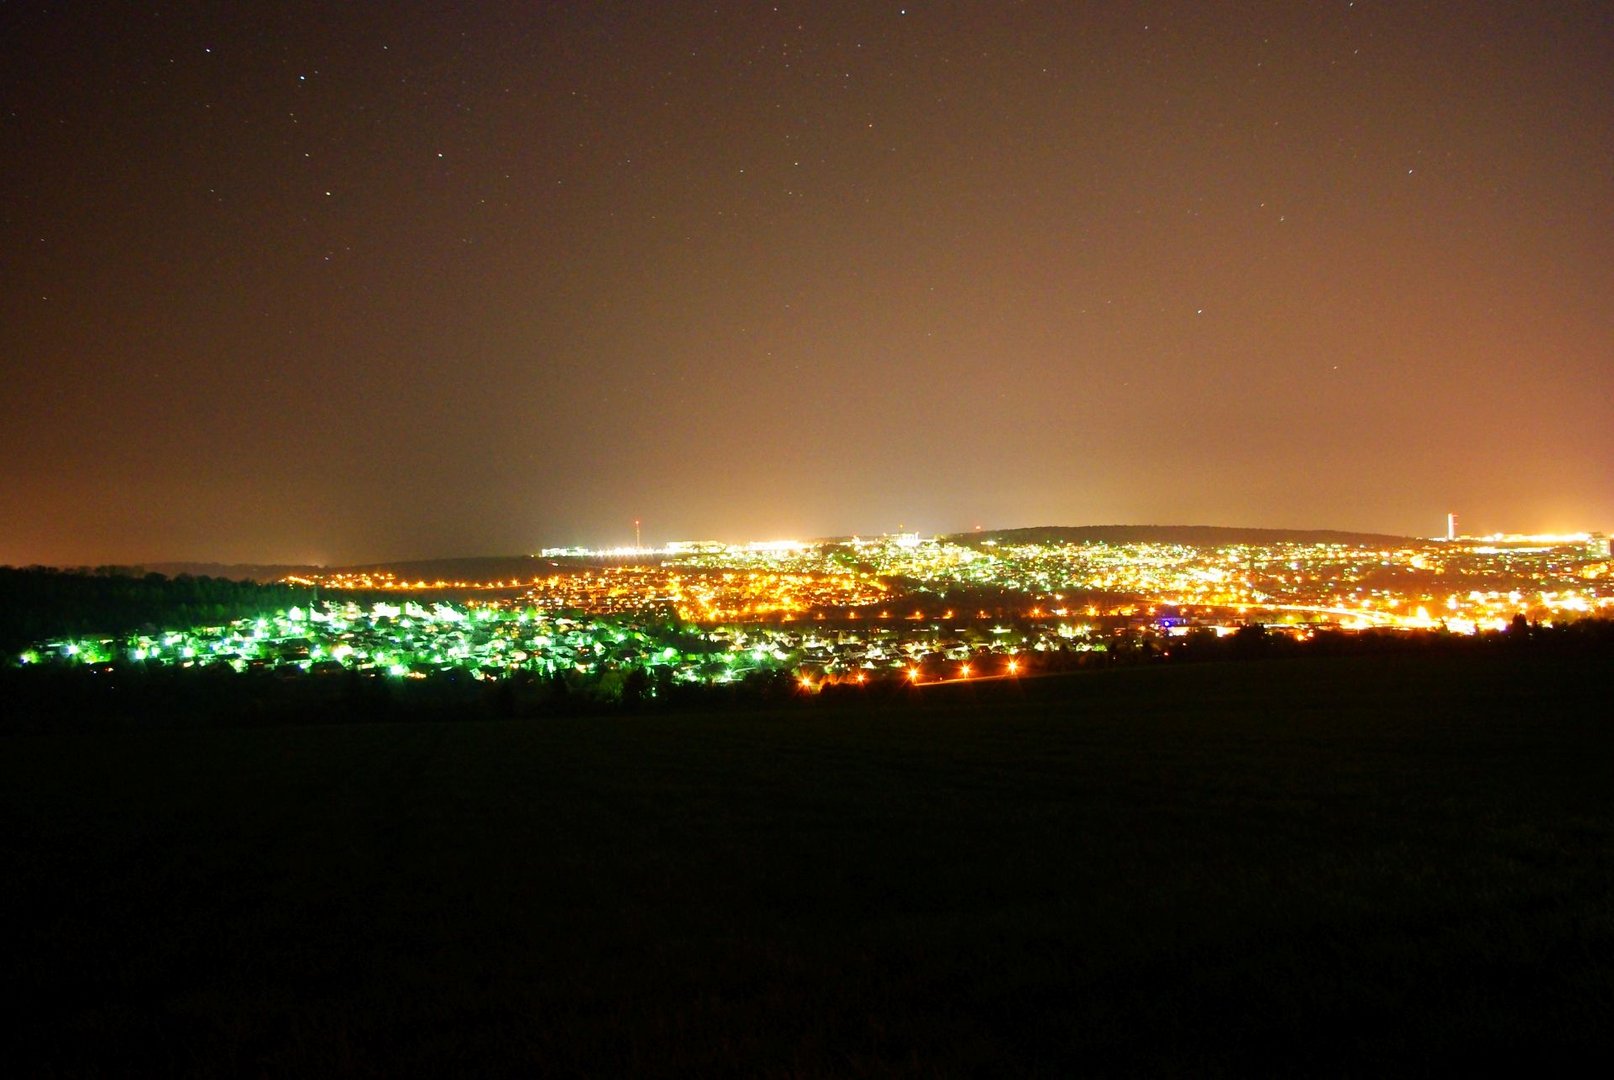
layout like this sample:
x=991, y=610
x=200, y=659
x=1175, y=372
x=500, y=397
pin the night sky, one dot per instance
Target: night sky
x=351, y=282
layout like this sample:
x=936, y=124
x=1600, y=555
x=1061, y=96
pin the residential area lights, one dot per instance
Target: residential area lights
x=1463, y=586
x=497, y=639
x=920, y=610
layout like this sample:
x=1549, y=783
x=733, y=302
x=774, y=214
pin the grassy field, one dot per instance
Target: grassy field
x=1322, y=866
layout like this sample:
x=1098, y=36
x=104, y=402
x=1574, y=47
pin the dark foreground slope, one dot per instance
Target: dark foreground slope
x=1327, y=866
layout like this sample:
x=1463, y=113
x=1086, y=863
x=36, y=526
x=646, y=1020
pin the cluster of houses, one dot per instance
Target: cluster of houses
x=495, y=639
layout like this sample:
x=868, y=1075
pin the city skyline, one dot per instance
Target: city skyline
x=922, y=610
x=726, y=540
x=335, y=286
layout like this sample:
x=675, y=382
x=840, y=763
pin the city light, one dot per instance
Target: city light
x=844, y=613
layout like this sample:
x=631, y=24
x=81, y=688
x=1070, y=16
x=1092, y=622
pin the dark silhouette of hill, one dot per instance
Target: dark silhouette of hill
x=465, y=568
x=473, y=568
x=262, y=572
x=1190, y=535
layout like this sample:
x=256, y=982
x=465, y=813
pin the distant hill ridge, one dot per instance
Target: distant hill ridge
x=227, y=571
x=525, y=567
x=1189, y=535
x=472, y=568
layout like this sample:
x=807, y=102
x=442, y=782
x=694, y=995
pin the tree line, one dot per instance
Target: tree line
x=42, y=603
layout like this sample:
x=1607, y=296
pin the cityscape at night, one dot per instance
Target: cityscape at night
x=807, y=538
x=853, y=609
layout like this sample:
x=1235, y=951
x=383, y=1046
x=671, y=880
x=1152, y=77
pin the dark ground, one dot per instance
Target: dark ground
x=1320, y=866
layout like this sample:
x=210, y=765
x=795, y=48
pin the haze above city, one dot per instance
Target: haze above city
x=336, y=285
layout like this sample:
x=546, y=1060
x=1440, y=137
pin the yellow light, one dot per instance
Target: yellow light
x=1014, y=667
x=964, y=671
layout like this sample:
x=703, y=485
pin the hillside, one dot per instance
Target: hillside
x=1295, y=868
x=1190, y=535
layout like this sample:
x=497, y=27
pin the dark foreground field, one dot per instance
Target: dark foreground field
x=1317, y=866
